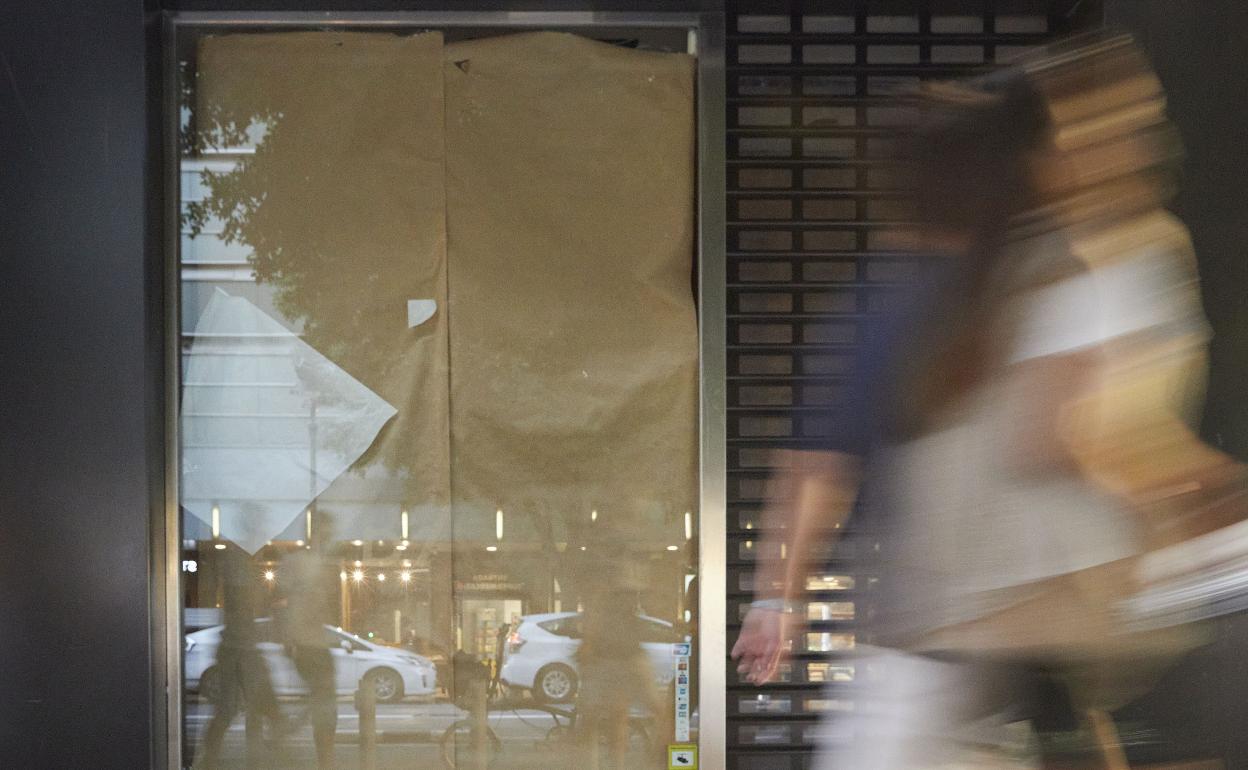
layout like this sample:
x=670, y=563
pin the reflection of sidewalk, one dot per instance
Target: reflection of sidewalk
x=415, y=729
x=398, y=723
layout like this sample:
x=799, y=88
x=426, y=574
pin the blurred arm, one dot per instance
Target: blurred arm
x=809, y=497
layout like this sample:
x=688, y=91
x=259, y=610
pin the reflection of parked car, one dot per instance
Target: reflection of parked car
x=540, y=654
x=393, y=672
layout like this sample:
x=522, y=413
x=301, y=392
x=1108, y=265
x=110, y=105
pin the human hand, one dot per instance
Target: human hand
x=763, y=643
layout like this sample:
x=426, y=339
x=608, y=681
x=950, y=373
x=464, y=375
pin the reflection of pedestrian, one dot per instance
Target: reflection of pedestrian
x=309, y=594
x=242, y=676
x=616, y=673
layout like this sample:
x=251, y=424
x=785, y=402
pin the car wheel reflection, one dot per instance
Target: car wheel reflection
x=387, y=685
x=555, y=684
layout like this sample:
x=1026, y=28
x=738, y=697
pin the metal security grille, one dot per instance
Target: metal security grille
x=811, y=114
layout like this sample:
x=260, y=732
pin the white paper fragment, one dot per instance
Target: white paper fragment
x=267, y=422
x=419, y=311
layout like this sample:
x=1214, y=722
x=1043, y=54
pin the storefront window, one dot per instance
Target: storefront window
x=438, y=397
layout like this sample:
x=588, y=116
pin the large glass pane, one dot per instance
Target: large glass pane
x=438, y=412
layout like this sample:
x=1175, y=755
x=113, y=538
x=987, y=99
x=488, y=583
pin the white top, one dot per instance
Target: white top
x=968, y=524
x=1089, y=309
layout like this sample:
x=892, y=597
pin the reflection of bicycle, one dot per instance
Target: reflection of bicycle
x=640, y=727
x=459, y=740
x=464, y=737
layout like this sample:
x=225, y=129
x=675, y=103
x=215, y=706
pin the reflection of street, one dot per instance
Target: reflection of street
x=407, y=738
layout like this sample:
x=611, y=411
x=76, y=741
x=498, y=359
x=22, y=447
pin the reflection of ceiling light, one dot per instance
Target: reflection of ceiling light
x=381, y=542
x=268, y=575
x=491, y=548
x=673, y=548
x=401, y=547
x=216, y=522
x=405, y=576
x=407, y=562
x=299, y=543
x=593, y=515
x=357, y=542
x=220, y=546
x=342, y=575
x=359, y=563
x=688, y=525
x=358, y=575
x=381, y=576
x=403, y=525
x=498, y=524
x=582, y=548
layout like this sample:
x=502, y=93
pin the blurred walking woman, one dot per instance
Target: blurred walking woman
x=1029, y=425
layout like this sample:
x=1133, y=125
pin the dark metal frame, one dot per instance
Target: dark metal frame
x=707, y=33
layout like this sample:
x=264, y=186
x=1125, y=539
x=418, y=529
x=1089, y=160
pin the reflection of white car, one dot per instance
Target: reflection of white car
x=540, y=654
x=393, y=672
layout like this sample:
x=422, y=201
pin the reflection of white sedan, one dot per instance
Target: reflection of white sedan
x=540, y=654
x=393, y=672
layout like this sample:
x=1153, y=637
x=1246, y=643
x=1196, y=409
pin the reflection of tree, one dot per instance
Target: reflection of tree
x=313, y=204
x=261, y=205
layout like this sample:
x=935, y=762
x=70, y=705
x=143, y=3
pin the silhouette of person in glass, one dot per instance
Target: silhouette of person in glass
x=308, y=594
x=241, y=678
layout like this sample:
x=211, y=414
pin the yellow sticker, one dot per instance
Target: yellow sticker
x=682, y=756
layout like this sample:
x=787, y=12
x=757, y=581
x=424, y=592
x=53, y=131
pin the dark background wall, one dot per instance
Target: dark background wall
x=1201, y=53
x=75, y=398
x=1200, y=50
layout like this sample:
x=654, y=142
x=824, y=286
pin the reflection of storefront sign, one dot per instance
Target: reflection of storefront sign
x=490, y=583
x=680, y=661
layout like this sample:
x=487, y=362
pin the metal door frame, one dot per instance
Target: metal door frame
x=707, y=39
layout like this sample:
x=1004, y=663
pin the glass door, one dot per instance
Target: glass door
x=438, y=405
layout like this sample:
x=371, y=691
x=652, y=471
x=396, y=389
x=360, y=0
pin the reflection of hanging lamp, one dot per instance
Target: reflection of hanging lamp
x=403, y=531
x=593, y=515
x=216, y=527
x=498, y=530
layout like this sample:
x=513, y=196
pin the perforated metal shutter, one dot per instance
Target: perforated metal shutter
x=809, y=117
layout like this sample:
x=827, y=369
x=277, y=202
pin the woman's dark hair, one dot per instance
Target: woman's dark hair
x=970, y=159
